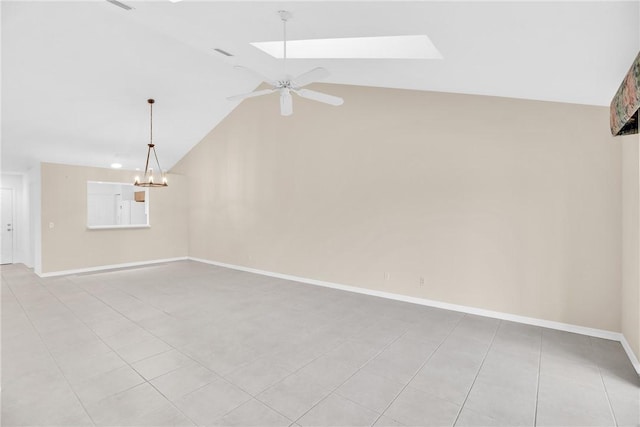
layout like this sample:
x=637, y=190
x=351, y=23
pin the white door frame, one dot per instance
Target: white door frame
x=13, y=222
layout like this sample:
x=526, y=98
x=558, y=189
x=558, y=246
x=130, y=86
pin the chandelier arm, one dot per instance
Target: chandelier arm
x=146, y=165
x=157, y=161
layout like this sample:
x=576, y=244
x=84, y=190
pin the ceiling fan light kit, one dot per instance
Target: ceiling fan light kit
x=286, y=86
x=148, y=179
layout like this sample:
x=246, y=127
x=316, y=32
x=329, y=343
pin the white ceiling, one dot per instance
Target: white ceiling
x=76, y=75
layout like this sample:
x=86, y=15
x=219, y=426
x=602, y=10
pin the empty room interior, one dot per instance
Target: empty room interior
x=320, y=213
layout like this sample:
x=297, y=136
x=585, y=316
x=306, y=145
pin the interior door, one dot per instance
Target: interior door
x=6, y=222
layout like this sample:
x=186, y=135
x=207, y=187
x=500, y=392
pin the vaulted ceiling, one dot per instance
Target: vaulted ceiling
x=76, y=75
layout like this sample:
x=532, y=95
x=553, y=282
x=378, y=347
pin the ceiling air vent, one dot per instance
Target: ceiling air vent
x=119, y=4
x=222, y=52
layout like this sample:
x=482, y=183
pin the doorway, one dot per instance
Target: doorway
x=6, y=224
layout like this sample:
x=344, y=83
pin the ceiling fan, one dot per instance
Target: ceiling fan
x=286, y=86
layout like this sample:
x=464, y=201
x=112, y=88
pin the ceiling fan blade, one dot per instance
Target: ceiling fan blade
x=319, y=96
x=256, y=75
x=251, y=94
x=314, y=75
x=286, y=103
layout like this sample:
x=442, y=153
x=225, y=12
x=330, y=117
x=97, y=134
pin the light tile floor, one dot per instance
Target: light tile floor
x=185, y=343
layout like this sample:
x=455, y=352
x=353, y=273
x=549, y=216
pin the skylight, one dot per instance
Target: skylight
x=388, y=47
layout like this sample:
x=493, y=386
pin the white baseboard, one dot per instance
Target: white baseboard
x=109, y=267
x=567, y=327
x=630, y=353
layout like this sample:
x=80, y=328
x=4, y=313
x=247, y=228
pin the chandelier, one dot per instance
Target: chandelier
x=148, y=178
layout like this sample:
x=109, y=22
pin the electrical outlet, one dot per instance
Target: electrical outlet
x=387, y=276
x=421, y=281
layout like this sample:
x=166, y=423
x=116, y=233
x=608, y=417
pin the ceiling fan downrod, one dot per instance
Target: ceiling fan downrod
x=284, y=16
x=288, y=85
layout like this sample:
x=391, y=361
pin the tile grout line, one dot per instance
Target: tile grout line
x=112, y=349
x=495, y=333
x=535, y=414
x=49, y=351
x=302, y=367
x=188, y=356
x=60, y=292
x=350, y=376
x=138, y=299
x=285, y=377
x=419, y=369
x=606, y=392
x=222, y=377
x=255, y=397
x=292, y=373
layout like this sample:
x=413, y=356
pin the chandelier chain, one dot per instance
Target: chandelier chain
x=151, y=121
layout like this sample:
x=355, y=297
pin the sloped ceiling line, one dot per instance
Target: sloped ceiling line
x=91, y=65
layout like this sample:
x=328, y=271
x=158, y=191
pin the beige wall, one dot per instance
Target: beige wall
x=631, y=242
x=503, y=204
x=70, y=245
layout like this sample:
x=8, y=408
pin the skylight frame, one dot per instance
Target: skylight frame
x=379, y=47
